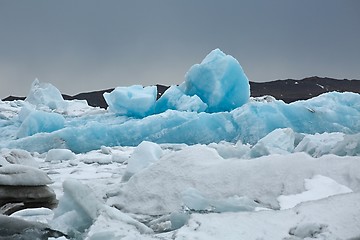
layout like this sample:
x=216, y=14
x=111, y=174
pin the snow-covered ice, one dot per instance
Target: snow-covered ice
x=204, y=161
x=21, y=175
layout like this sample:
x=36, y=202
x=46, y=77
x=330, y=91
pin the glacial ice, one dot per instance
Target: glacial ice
x=143, y=156
x=217, y=86
x=194, y=200
x=12, y=228
x=134, y=101
x=79, y=209
x=219, y=81
x=174, y=98
x=45, y=95
x=39, y=122
x=331, y=112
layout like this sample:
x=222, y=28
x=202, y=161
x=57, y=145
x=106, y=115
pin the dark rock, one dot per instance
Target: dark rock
x=291, y=90
x=15, y=198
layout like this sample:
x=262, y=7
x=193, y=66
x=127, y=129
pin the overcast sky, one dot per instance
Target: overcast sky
x=84, y=45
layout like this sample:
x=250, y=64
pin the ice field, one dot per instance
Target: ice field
x=204, y=161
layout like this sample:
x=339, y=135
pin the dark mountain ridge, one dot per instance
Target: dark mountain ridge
x=288, y=90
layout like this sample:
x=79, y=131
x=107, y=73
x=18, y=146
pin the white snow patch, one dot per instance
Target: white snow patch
x=317, y=188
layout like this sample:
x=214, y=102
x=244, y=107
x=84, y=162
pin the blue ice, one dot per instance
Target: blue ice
x=198, y=111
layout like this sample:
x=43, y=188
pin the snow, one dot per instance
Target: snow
x=331, y=218
x=134, y=101
x=205, y=161
x=317, y=187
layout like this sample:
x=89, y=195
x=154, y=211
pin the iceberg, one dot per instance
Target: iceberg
x=219, y=81
x=134, y=101
x=45, y=95
x=210, y=106
x=174, y=98
x=331, y=112
x=40, y=121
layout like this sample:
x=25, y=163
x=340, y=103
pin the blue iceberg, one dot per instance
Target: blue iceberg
x=219, y=81
x=174, y=98
x=133, y=101
x=212, y=105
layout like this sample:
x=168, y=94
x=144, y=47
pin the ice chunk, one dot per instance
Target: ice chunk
x=112, y=224
x=219, y=81
x=193, y=200
x=234, y=204
x=349, y=146
x=15, y=228
x=19, y=156
x=144, y=155
x=134, y=101
x=326, y=143
x=308, y=230
x=105, y=150
x=156, y=189
x=175, y=99
x=42, y=215
x=79, y=209
x=39, y=121
x=55, y=155
x=230, y=150
x=14, y=174
x=279, y=141
x=316, y=188
x=178, y=220
x=45, y=94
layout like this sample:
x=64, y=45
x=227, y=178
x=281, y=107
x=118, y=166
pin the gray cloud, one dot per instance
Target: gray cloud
x=86, y=44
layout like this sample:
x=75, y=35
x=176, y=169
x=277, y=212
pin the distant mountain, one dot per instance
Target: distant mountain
x=291, y=90
x=288, y=90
